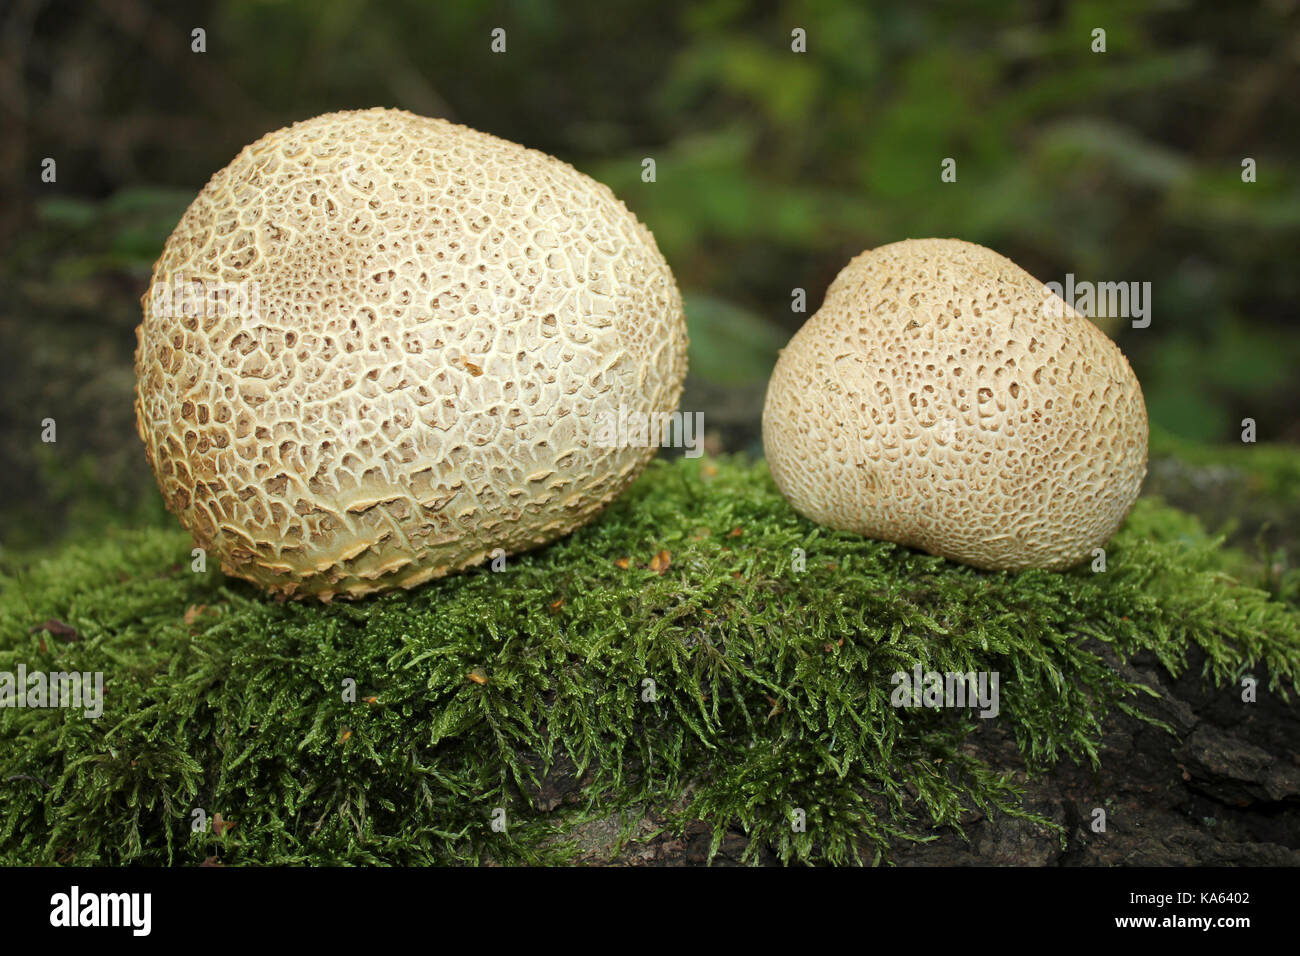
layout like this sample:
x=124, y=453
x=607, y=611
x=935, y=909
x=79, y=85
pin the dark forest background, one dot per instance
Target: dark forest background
x=773, y=170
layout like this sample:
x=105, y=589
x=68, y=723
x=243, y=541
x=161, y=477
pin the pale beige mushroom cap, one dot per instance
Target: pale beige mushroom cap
x=942, y=399
x=434, y=321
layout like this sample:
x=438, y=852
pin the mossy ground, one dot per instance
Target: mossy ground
x=771, y=686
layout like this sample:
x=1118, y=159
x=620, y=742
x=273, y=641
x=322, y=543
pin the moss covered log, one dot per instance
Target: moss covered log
x=700, y=649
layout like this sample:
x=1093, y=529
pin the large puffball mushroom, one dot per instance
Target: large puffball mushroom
x=943, y=399
x=379, y=347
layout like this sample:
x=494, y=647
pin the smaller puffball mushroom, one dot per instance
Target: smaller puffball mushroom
x=944, y=399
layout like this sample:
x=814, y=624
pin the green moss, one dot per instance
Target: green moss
x=772, y=686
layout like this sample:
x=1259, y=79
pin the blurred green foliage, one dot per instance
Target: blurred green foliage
x=773, y=168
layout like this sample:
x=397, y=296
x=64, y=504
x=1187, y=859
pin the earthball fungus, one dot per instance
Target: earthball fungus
x=943, y=399
x=378, y=348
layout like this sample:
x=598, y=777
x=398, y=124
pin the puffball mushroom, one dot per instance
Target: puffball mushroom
x=943, y=399
x=378, y=347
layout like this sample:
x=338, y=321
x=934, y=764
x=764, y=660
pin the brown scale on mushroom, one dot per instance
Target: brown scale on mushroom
x=938, y=399
x=440, y=317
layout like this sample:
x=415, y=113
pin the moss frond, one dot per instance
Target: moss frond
x=715, y=682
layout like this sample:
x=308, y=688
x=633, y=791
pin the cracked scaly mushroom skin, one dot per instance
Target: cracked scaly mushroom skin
x=941, y=400
x=432, y=321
